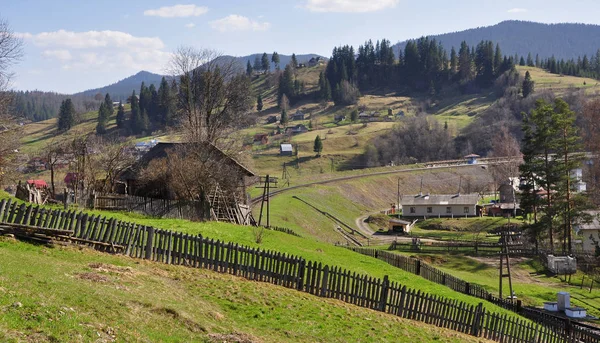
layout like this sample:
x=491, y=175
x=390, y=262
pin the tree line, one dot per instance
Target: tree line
x=424, y=66
x=38, y=105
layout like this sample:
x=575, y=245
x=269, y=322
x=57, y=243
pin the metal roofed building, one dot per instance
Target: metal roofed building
x=456, y=205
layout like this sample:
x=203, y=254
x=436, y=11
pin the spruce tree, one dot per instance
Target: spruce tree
x=522, y=61
x=109, y=105
x=248, y=68
x=121, y=116
x=528, y=85
x=354, y=115
x=259, y=103
x=318, y=146
x=530, y=61
x=135, y=120
x=165, y=104
x=294, y=61
x=264, y=62
x=284, y=117
x=275, y=59
x=66, y=116
x=103, y=114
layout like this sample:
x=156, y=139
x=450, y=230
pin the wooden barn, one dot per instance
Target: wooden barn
x=219, y=202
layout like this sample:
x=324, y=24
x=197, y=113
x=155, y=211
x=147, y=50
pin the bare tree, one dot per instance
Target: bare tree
x=11, y=51
x=105, y=165
x=506, y=147
x=53, y=152
x=214, y=96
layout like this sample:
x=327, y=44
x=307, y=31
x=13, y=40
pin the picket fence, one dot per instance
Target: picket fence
x=578, y=331
x=171, y=247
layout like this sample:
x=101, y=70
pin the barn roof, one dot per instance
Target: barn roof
x=441, y=199
x=161, y=150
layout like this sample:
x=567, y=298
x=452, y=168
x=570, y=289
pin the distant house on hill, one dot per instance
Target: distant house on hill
x=315, y=61
x=272, y=119
x=261, y=138
x=286, y=149
x=339, y=117
x=300, y=128
x=428, y=206
x=299, y=115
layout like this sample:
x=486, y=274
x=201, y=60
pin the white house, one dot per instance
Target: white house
x=286, y=149
x=591, y=234
x=457, y=205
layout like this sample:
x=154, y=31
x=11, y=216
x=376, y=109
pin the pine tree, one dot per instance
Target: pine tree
x=528, y=85
x=453, y=62
x=284, y=117
x=264, y=62
x=318, y=147
x=522, y=61
x=354, y=115
x=257, y=64
x=248, y=68
x=66, y=116
x=259, y=103
x=121, y=116
x=135, y=120
x=294, y=61
x=275, y=59
x=498, y=60
x=530, y=60
x=109, y=105
x=102, y=119
x=165, y=104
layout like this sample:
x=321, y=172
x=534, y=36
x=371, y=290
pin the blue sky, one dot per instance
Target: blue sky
x=73, y=45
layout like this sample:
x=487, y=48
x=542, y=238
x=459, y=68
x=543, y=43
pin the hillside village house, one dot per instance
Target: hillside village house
x=299, y=115
x=286, y=149
x=590, y=233
x=300, y=128
x=429, y=206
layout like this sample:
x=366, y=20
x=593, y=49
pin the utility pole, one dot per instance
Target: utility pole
x=503, y=257
x=266, y=181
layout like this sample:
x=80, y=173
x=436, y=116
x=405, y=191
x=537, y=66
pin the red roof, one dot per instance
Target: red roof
x=38, y=183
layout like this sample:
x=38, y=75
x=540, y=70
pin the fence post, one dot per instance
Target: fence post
x=385, y=285
x=324, y=282
x=477, y=320
x=149, y=243
x=418, y=267
x=301, y=270
x=467, y=288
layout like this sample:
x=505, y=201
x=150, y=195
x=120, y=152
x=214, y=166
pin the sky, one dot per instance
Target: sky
x=74, y=45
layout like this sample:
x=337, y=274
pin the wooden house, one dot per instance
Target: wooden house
x=299, y=115
x=434, y=206
x=286, y=149
x=294, y=130
x=590, y=233
x=215, y=203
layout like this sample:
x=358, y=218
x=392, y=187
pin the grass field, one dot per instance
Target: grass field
x=530, y=283
x=559, y=83
x=78, y=295
x=460, y=228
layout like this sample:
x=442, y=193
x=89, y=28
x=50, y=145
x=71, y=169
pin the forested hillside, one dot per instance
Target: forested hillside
x=563, y=41
x=119, y=91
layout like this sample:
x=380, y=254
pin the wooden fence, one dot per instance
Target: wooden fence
x=579, y=332
x=463, y=247
x=163, y=208
x=288, y=271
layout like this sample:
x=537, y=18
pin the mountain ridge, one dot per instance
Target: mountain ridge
x=561, y=40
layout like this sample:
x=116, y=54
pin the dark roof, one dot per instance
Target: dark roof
x=455, y=199
x=160, y=150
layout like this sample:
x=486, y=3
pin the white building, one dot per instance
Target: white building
x=428, y=206
x=590, y=234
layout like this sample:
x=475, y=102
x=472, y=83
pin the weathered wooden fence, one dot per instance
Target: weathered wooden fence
x=163, y=208
x=288, y=271
x=463, y=247
x=579, y=332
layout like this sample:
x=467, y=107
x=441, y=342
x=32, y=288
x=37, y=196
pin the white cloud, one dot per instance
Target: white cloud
x=236, y=22
x=349, y=6
x=59, y=54
x=517, y=10
x=93, y=39
x=101, y=50
x=190, y=25
x=177, y=11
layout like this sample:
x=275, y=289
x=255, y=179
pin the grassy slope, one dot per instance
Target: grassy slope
x=530, y=284
x=350, y=199
x=68, y=294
